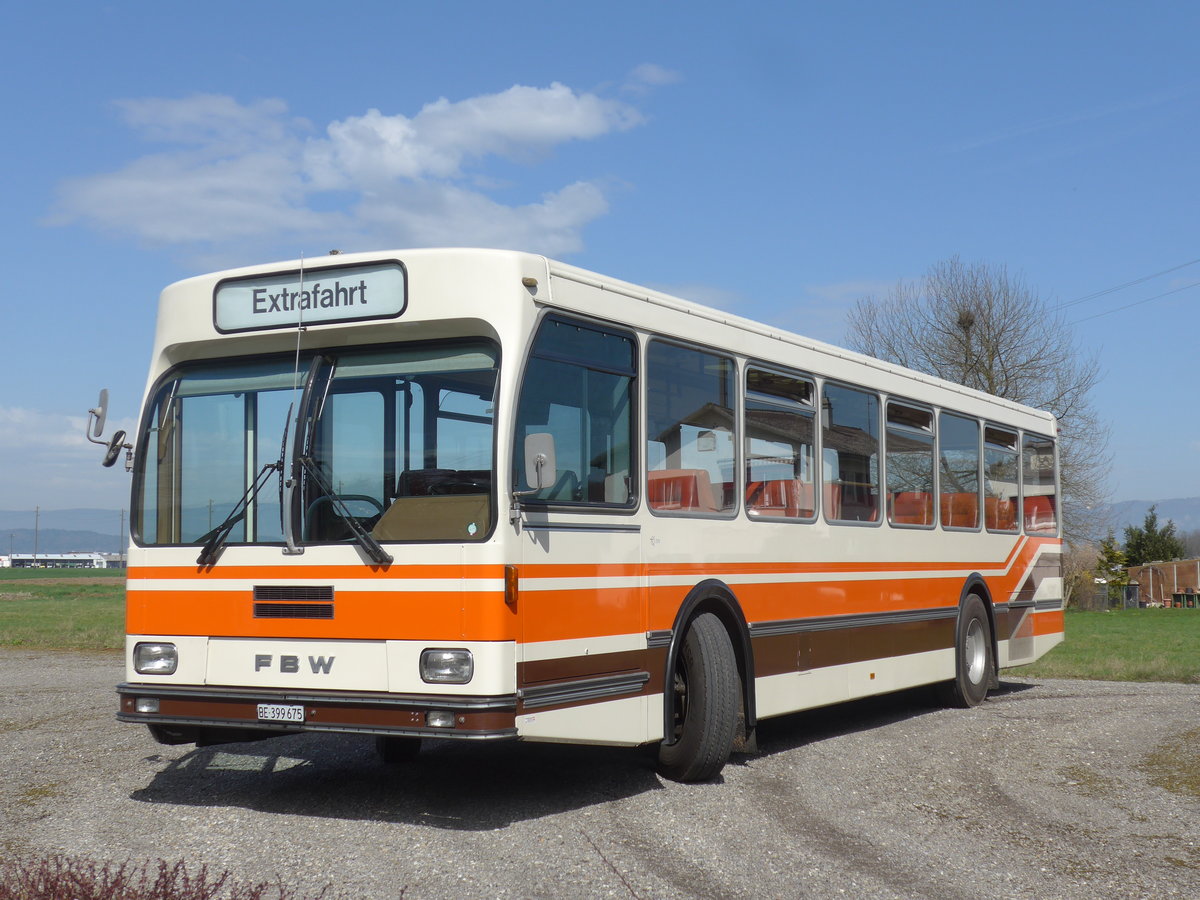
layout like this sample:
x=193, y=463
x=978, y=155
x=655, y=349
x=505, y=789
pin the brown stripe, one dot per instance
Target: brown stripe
x=566, y=670
x=804, y=650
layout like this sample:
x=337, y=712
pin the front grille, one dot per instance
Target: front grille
x=302, y=601
x=304, y=593
x=293, y=610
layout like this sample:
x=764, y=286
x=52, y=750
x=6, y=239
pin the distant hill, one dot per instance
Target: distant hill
x=101, y=521
x=58, y=540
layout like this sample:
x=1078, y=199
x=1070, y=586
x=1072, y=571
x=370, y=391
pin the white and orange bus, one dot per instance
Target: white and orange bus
x=484, y=495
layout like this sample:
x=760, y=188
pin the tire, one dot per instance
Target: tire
x=973, y=661
x=395, y=750
x=707, y=701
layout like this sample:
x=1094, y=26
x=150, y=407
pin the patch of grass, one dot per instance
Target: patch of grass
x=82, y=614
x=1125, y=645
x=1175, y=765
x=22, y=574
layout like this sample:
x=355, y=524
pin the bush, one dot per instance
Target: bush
x=61, y=877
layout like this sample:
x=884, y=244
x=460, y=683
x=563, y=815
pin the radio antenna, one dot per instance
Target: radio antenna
x=299, y=330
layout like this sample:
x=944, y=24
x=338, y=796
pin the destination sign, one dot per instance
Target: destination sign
x=289, y=299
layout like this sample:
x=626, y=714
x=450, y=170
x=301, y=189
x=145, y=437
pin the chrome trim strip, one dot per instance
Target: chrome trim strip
x=658, y=639
x=856, y=620
x=570, y=526
x=585, y=689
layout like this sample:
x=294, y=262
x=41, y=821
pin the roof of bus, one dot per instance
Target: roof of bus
x=536, y=264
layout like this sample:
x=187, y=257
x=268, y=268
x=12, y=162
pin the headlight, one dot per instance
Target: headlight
x=447, y=666
x=155, y=659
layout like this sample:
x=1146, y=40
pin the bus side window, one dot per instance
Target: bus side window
x=909, y=458
x=1038, y=468
x=958, y=441
x=1000, y=488
x=850, y=454
x=690, y=411
x=578, y=387
x=779, y=446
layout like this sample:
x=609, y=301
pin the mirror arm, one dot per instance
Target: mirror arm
x=514, y=509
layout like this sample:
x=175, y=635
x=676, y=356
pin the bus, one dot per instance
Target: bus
x=483, y=495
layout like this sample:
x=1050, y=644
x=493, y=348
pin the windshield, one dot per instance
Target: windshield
x=400, y=438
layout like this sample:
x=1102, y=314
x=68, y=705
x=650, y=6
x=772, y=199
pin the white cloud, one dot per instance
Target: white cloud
x=59, y=468
x=253, y=175
x=212, y=120
x=650, y=75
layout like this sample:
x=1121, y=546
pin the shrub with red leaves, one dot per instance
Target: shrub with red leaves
x=70, y=878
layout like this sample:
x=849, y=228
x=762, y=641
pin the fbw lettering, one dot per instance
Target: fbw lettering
x=315, y=297
x=290, y=665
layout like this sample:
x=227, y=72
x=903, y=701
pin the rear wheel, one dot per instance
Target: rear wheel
x=973, y=656
x=707, y=688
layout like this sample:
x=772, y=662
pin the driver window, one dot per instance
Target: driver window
x=578, y=387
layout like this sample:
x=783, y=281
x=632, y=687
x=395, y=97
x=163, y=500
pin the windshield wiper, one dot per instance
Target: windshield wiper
x=361, y=536
x=214, y=541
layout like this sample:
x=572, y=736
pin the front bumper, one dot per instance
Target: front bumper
x=209, y=708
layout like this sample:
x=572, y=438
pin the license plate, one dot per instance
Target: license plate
x=277, y=712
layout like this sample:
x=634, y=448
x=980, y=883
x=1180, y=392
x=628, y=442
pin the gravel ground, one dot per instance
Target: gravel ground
x=1051, y=789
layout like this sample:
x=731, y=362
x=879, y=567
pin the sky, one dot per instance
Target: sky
x=779, y=160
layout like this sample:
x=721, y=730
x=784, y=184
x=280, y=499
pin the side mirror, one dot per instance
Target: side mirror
x=541, y=470
x=100, y=414
x=114, y=449
x=97, y=415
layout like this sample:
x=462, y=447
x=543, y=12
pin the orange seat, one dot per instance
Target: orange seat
x=785, y=497
x=851, y=501
x=681, y=489
x=960, y=510
x=912, y=508
x=1000, y=514
x=1039, y=514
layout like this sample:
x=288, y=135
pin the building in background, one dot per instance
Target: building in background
x=61, y=561
x=1169, y=583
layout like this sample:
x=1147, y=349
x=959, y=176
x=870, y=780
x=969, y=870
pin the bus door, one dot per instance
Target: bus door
x=582, y=590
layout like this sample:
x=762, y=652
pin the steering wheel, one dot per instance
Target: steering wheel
x=459, y=486
x=327, y=499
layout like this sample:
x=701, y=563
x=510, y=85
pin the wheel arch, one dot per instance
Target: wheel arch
x=716, y=597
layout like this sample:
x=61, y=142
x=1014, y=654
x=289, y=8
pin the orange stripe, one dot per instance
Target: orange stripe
x=586, y=611
x=358, y=615
x=1049, y=622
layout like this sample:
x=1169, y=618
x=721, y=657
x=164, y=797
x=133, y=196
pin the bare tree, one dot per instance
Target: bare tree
x=1191, y=542
x=981, y=327
x=1079, y=568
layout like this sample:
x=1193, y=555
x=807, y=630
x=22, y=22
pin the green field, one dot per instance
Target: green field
x=58, y=574
x=67, y=609
x=1125, y=645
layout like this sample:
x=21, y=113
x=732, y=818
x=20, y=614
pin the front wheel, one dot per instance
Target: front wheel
x=973, y=664
x=707, y=697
